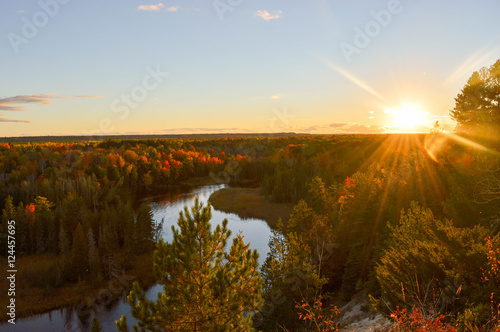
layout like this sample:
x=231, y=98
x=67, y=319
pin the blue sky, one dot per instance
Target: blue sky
x=237, y=65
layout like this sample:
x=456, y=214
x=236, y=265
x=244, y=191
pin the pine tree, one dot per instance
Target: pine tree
x=45, y=228
x=64, y=247
x=79, y=253
x=206, y=288
x=477, y=109
x=290, y=277
x=96, y=325
x=8, y=213
x=144, y=229
x=128, y=227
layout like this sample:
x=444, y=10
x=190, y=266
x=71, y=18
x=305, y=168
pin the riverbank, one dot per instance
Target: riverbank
x=33, y=300
x=250, y=203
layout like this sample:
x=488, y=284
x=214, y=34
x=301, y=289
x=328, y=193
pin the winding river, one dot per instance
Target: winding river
x=167, y=207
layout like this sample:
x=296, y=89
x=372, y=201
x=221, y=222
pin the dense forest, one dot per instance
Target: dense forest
x=413, y=220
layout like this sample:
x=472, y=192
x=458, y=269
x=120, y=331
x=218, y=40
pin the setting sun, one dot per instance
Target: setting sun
x=408, y=117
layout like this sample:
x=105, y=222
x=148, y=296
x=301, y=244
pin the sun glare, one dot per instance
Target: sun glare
x=407, y=117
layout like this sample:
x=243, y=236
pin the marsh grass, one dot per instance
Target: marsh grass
x=39, y=287
x=250, y=203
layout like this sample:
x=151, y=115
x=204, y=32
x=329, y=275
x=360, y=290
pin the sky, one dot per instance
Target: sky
x=74, y=67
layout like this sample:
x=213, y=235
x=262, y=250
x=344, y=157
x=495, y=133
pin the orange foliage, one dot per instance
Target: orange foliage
x=414, y=321
x=493, y=261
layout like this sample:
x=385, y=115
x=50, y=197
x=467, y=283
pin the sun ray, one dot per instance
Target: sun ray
x=355, y=80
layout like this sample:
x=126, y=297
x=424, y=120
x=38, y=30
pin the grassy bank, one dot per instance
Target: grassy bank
x=33, y=300
x=250, y=203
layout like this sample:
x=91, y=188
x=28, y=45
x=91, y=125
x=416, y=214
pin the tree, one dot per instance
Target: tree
x=79, y=254
x=434, y=266
x=477, y=106
x=290, y=277
x=46, y=231
x=205, y=288
x=96, y=325
x=144, y=229
x=128, y=225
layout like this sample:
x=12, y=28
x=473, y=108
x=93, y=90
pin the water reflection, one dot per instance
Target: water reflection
x=164, y=207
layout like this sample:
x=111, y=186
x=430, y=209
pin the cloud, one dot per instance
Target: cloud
x=338, y=125
x=172, y=9
x=11, y=103
x=20, y=11
x=2, y=119
x=159, y=6
x=151, y=8
x=266, y=16
x=15, y=104
x=275, y=97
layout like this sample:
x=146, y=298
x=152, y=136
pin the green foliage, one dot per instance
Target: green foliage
x=144, y=229
x=432, y=264
x=477, y=108
x=290, y=277
x=46, y=232
x=79, y=261
x=349, y=192
x=205, y=287
x=96, y=325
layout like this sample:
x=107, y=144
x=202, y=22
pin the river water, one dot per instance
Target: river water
x=167, y=207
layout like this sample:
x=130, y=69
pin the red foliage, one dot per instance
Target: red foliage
x=414, y=321
x=493, y=261
x=349, y=182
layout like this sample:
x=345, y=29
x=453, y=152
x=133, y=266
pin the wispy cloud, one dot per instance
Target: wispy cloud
x=2, y=119
x=16, y=103
x=159, y=6
x=338, y=125
x=152, y=8
x=172, y=9
x=21, y=11
x=267, y=16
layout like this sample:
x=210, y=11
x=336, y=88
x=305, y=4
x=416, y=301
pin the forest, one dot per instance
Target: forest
x=412, y=220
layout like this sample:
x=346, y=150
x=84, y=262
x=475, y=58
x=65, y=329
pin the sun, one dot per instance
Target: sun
x=408, y=117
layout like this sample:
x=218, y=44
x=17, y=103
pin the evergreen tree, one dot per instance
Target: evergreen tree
x=129, y=235
x=477, y=108
x=144, y=229
x=434, y=265
x=79, y=254
x=290, y=277
x=205, y=287
x=8, y=213
x=45, y=226
x=63, y=241
x=96, y=325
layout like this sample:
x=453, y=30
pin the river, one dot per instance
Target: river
x=167, y=207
